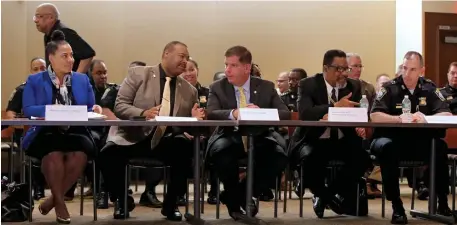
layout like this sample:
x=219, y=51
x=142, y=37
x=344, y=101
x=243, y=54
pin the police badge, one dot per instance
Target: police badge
x=422, y=101
x=381, y=93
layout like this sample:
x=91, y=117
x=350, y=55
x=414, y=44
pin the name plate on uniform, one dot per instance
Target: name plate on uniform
x=66, y=113
x=441, y=119
x=341, y=114
x=174, y=119
x=258, y=114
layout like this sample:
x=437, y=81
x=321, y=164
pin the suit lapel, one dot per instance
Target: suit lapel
x=322, y=95
x=47, y=88
x=154, y=74
x=230, y=93
x=178, y=97
x=346, y=90
x=254, y=83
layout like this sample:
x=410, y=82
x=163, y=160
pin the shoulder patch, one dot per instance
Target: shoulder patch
x=106, y=93
x=381, y=93
x=440, y=96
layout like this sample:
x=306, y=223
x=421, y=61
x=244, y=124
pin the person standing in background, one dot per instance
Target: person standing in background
x=47, y=21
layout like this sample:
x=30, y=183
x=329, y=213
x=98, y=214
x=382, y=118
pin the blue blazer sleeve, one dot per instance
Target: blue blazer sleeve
x=90, y=95
x=29, y=100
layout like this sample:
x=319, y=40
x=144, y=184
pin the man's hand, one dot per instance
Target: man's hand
x=325, y=118
x=361, y=132
x=235, y=114
x=198, y=113
x=97, y=109
x=152, y=112
x=188, y=136
x=252, y=106
x=418, y=117
x=345, y=102
x=10, y=115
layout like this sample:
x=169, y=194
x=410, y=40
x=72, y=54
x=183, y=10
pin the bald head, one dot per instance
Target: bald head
x=283, y=81
x=45, y=17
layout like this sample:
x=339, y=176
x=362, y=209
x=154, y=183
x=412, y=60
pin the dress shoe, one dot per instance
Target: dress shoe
x=297, y=187
x=38, y=193
x=422, y=192
x=63, y=221
x=212, y=199
x=318, y=206
x=335, y=203
x=254, y=207
x=149, y=199
x=102, y=200
x=398, y=215
x=181, y=201
x=172, y=215
x=233, y=207
x=266, y=195
x=444, y=210
x=120, y=212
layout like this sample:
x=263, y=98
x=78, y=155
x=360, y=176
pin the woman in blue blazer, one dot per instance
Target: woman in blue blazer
x=63, y=150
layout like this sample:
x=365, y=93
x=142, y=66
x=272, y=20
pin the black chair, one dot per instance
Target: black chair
x=143, y=163
x=33, y=162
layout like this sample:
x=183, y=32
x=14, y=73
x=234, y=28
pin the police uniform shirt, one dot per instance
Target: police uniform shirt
x=450, y=94
x=15, y=101
x=109, y=97
x=290, y=99
x=425, y=98
x=100, y=92
x=81, y=49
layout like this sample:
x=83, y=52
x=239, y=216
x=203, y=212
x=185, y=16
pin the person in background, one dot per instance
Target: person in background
x=218, y=76
x=450, y=90
x=14, y=110
x=399, y=70
x=381, y=79
x=63, y=150
x=255, y=71
x=282, y=82
x=46, y=19
x=290, y=96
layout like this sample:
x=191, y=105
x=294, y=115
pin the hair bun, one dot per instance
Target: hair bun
x=57, y=35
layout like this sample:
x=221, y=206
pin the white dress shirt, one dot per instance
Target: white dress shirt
x=326, y=134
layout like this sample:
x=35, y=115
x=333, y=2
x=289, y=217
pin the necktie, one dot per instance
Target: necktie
x=334, y=130
x=243, y=104
x=164, y=111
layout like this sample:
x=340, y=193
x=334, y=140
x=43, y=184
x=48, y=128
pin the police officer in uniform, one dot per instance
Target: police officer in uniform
x=390, y=145
x=450, y=91
x=14, y=110
x=290, y=97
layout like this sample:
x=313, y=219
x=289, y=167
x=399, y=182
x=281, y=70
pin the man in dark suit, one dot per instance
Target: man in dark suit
x=313, y=147
x=240, y=89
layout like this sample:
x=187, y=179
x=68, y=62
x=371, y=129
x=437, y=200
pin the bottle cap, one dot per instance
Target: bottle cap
x=406, y=96
x=364, y=96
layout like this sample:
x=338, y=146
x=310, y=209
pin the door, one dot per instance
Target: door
x=446, y=51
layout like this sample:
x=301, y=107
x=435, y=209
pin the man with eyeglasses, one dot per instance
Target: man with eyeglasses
x=282, y=83
x=46, y=19
x=450, y=91
x=314, y=147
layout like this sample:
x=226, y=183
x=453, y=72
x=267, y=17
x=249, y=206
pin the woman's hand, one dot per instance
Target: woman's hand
x=97, y=109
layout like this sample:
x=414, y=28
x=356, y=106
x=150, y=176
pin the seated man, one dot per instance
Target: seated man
x=227, y=146
x=149, y=92
x=392, y=144
x=313, y=147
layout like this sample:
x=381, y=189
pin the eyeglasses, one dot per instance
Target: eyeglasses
x=357, y=66
x=340, y=68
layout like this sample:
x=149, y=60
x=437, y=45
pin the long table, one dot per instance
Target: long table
x=195, y=218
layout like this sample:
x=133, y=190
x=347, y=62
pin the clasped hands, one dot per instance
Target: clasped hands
x=416, y=117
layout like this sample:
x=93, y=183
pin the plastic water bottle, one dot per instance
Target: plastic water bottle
x=364, y=102
x=406, y=110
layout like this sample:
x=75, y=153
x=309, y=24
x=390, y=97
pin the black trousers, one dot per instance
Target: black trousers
x=390, y=151
x=174, y=151
x=315, y=157
x=269, y=161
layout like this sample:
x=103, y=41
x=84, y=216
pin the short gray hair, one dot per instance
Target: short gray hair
x=351, y=54
x=53, y=7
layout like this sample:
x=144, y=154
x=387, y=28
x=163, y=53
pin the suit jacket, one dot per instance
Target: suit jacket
x=313, y=105
x=369, y=91
x=140, y=91
x=222, y=101
x=38, y=93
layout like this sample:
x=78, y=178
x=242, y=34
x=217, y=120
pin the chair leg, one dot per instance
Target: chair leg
x=301, y=191
x=383, y=202
x=187, y=196
x=202, y=189
x=11, y=161
x=276, y=197
x=165, y=180
x=30, y=188
x=81, y=197
x=290, y=187
x=453, y=172
x=95, y=189
x=413, y=195
x=126, y=185
x=286, y=181
x=357, y=207
x=137, y=177
x=218, y=192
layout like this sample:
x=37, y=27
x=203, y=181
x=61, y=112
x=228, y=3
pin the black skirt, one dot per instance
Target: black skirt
x=52, y=139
